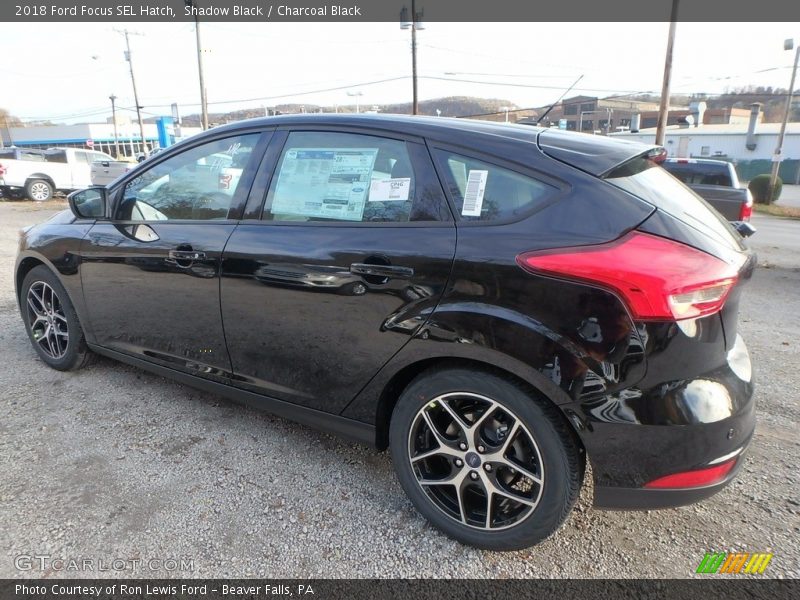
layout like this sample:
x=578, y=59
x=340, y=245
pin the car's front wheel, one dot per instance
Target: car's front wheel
x=51, y=321
x=483, y=459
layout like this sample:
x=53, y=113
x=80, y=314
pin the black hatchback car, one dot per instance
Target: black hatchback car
x=496, y=304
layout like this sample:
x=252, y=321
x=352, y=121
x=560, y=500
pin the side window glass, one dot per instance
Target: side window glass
x=329, y=176
x=486, y=192
x=197, y=184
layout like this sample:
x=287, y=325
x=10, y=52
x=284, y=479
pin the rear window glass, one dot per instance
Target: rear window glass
x=700, y=173
x=648, y=181
x=486, y=192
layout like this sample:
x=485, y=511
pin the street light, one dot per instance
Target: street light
x=357, y=95
x=776, y=158
x=113, y=99
x=414, y=23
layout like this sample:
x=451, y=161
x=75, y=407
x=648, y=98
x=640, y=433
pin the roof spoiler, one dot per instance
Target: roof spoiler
x=595, y=154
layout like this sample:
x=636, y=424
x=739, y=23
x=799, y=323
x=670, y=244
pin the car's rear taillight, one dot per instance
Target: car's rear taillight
x=657, y=278
x=695, y=478
x=2, y=170
x=746, y=209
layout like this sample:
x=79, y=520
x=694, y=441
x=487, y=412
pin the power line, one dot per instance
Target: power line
x=102, y=110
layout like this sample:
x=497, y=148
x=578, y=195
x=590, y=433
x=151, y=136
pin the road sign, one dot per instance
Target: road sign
x=90, y=143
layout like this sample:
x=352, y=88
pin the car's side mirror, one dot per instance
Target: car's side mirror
x=89, y=203
x=105, y=163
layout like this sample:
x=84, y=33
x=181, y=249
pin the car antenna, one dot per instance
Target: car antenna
x=559, y=100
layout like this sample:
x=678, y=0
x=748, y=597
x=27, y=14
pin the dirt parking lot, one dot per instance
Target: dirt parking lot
x=114, y=463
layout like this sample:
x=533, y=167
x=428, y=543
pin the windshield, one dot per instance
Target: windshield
x=648, y=181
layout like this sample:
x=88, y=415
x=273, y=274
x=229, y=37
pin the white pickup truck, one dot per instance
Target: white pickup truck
x=63, y=170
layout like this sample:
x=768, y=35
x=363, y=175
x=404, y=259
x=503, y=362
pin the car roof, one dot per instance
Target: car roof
x=422, y=126
x=593, y=154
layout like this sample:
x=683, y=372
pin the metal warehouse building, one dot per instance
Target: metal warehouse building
x=750, y=147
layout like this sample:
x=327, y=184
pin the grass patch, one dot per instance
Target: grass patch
x=777, y=211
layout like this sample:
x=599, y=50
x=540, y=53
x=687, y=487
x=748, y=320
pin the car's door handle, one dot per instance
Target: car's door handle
x=388, y=271
x=186, y=255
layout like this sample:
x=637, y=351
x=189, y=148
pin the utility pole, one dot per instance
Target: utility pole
x=203, y=98
x=776, y=159
x=129, y=58
x=414, y=24
x=113, y=99
x=663, y=111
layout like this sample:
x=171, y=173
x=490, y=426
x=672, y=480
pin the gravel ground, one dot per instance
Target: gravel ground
x=114, y=463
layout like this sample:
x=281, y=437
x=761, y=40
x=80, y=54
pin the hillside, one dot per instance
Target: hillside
x=453, y=106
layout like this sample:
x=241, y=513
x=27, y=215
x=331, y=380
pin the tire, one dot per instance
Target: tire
x=51, y=322
x=512, y=429
x=39, y=190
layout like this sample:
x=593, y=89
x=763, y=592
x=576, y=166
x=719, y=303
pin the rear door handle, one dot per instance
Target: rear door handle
x=186, y=255
x=387, y=271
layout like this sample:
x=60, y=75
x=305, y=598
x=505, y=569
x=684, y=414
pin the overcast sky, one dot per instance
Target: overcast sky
x=65, y=72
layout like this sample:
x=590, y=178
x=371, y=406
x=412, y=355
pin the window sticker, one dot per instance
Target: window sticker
x=473, y=195
x=324, y=182
x=387, y=190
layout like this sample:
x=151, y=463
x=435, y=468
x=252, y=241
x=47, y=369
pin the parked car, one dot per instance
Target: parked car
x=104, y=172
x=63, y=170
x=716, y=182
x=574, y=302
x=141, y=157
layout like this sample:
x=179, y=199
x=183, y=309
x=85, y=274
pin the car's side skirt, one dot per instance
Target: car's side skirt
x=357, y=431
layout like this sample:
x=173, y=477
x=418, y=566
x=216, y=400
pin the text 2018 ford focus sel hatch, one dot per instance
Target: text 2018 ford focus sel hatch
x=496, y=304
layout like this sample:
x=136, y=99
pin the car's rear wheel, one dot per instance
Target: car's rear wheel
x=39, y=190
x=483, y=459
x=51, y=321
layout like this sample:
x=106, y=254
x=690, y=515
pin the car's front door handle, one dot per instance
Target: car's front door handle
x=387, y=271
x=186, y=255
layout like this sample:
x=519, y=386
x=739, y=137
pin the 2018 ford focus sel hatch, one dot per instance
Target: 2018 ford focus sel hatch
x=496, y=304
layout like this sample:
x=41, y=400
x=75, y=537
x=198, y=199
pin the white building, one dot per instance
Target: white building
x=749, y=146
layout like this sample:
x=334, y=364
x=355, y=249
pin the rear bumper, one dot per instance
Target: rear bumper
x=619, y=498
x=637, y=436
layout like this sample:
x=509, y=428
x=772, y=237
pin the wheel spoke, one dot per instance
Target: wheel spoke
x=443, y=442
x=460, y=496
x=37, y=297
x=56, y=341
x=452, y=479
x=512, y=496
x=522, y=471
x=509, y=438
x=440, y=451
x=477, y=424
x=37, y=311
x=489, y=497
x=456, y=417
